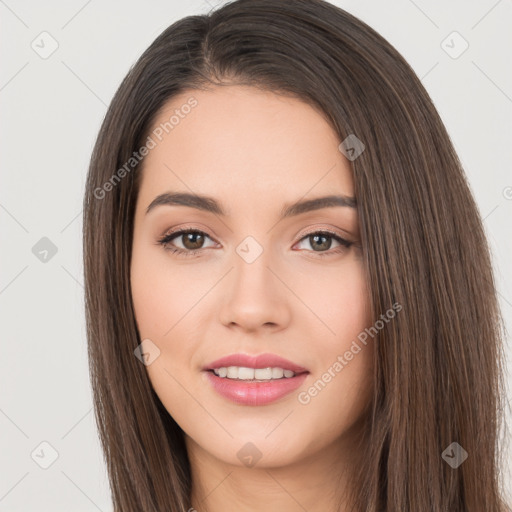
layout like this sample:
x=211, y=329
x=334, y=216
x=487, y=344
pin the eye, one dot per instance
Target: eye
x=321, y=242
x=192, y=241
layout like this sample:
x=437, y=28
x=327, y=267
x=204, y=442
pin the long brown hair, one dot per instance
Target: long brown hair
x=438, y=365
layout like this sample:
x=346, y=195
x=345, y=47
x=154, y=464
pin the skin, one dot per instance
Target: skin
x=254, y=152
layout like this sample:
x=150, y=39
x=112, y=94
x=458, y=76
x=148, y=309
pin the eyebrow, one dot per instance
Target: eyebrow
x=209, y=204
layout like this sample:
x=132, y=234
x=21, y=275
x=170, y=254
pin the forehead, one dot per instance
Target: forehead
x=247, y=141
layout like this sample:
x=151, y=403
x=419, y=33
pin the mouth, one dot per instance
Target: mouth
x=254, y=380
x=261, y=362
x=243, y=373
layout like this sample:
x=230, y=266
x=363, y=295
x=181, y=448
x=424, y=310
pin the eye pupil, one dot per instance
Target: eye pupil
x=195, y=244
x=313, y=239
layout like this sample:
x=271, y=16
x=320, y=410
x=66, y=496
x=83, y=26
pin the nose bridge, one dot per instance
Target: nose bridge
x=251, y=274
x=253, y=295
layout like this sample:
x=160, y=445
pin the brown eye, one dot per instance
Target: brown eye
x=192, y=240
x=321, y=242
x=186, y=242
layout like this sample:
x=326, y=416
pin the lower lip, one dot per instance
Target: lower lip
x=254, y=393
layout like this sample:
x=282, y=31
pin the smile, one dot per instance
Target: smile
x=257, y=374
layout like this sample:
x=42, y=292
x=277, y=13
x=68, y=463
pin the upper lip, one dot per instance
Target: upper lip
x=258, y=361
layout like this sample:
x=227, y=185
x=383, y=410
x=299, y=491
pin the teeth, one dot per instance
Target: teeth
x=244, y=373
x=232, y=372
x=277, y=373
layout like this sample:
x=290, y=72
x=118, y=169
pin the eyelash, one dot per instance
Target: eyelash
x=164, y=241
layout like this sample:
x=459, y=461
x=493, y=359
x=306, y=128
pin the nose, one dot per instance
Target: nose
x=254, y=296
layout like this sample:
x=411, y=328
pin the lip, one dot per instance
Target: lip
x=254, y=393
x=251, y=392
x=258, y=361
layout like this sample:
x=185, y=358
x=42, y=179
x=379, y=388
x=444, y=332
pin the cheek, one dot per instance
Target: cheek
x=161, y=301
x=344, y=369
x=339, y=300
x=169, y=301
x=153, y=300
x=162, y=292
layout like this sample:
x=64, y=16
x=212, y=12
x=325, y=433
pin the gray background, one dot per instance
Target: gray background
x=51, y=110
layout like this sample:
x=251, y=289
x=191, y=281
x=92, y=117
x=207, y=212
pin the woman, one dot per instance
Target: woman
x=289, y=295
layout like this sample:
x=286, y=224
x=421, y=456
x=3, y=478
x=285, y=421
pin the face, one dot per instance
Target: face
x=241, y=278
